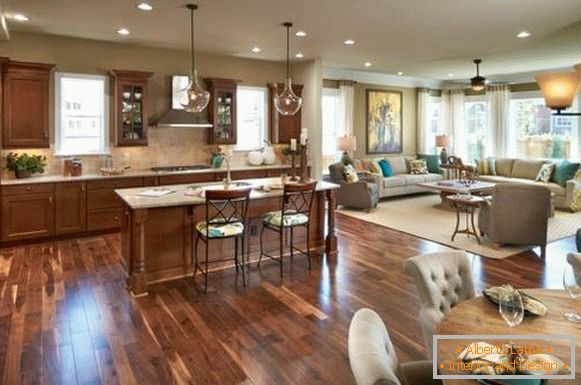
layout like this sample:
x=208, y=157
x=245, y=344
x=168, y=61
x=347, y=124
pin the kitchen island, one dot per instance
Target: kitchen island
x=158, y=233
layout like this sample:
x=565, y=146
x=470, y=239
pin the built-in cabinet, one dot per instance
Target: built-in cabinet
x=27, y=211
x=283, y=128
x=131, y=107
x=222, y=111
x=71, y=207
x=25, y=104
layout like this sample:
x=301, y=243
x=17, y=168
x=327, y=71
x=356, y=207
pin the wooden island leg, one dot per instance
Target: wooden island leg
x=138, y=275
x=331, y=240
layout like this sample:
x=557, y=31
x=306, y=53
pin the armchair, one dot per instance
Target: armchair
x=362, y=195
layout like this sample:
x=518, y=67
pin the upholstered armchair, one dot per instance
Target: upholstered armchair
x=443, y=280
x=518, y=215
x=361, y=195
x=373, y=359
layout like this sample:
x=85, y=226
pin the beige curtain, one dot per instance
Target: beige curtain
x=499, y=102
x=347, y=100
x=453, y=117
x=423, y=120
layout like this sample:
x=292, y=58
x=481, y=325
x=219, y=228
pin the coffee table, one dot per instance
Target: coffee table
x=453, y=187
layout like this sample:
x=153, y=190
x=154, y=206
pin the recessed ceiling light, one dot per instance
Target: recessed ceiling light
x=256, y=50
x=367, y=64
x=301, y=34
x=450, y=75
x=523, y=34
x=123, y=31
x=20, y=17
x=399, y=73
x=300, y=55
x=349, y=42
x=144, y=6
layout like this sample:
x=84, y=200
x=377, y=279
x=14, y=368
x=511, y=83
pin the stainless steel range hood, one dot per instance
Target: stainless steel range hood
x=178, y=117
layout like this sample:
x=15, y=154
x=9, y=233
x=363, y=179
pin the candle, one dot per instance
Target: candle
x=293, y=144
x=303, y=139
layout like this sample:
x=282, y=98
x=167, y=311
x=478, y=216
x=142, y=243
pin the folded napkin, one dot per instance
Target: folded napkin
x=532, y=305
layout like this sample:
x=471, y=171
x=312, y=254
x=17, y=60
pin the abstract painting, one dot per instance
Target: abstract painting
x=384, y=122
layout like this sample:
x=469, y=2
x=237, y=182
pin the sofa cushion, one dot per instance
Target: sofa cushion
x=418, y=167
x=486, y=166
x=565, y=171
x=494, y=178
x=526, y=169
x=414, y=179
x=394, y=181
x=433, y=177
x=504, y=167
x=398, y=165
x=432, y=161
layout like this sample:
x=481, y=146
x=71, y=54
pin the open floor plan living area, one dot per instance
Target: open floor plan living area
x=261, y=192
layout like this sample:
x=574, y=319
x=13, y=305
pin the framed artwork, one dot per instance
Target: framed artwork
x=384, y=122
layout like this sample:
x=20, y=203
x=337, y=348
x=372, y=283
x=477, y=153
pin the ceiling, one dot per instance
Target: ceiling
x=421, y=38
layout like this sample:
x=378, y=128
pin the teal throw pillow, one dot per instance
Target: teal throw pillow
x=432, y=161
x=385, y=168
x=565, y=171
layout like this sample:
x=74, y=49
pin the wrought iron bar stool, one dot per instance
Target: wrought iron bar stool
x=295, y=212
x=226, y=215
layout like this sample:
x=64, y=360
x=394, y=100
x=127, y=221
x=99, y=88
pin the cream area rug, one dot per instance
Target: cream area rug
x=422, y=216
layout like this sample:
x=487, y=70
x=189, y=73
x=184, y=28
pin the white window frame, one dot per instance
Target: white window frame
x=105, y=150
x=265, y=125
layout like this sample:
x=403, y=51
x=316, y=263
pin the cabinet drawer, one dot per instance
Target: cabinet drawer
x=102, y=199
x=38, y=188
x=115, y=183
x=248, y=174
x=276, y=172
x=104, y=219
x=187, y=178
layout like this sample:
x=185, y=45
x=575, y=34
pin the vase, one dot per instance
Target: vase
x=217, y=161
x=20, y=174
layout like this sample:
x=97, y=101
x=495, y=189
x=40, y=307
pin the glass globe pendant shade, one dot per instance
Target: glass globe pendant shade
x=287, y=103
x=197, y=97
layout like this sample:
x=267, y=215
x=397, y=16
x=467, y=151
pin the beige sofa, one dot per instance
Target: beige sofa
x=525, y=171
x=401, y=182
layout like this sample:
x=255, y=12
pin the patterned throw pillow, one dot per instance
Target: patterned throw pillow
x=576, y=203
x=350, y=174
x=418, y=166
x=486, y=166
x=545, y=173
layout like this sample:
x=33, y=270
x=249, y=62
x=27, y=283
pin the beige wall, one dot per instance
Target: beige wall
x=409, y=104
x=166, y=145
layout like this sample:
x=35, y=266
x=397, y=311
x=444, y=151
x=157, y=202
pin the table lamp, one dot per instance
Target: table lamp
x=443, y=141
x=347, y=144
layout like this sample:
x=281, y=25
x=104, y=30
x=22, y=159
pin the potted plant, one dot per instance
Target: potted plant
x=25, y=165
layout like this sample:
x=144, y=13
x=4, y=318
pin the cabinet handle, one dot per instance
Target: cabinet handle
x=50, y=200
x=83, y=187
x=28, y=188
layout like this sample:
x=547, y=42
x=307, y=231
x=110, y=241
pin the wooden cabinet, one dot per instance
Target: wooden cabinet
x=188, y=178
x=283, y=128
x=131, y=107
x=104, y=208
x=71, y=208
x=222, y=111
x=27, y=211
x=26, y=94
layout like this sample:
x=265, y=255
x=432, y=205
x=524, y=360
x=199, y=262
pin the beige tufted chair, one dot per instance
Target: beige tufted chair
x=443, y=280
x=373, y=359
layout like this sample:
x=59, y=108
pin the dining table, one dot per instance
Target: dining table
x=479, y=316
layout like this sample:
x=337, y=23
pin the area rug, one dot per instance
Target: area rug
x=422, y=216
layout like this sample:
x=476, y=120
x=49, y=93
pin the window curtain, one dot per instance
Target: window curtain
x=499, y=102
x=423, y=121
x=346, y=101
x=453, y=117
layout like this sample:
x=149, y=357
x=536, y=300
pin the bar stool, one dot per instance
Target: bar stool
x=295, y=212
x=226, y=215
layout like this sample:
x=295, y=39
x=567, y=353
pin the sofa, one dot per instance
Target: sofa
x=361, y=195
x=525, y=171
x=402, y=182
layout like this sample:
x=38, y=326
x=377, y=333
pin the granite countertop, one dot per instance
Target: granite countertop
x=179, y=198
x=129, y=174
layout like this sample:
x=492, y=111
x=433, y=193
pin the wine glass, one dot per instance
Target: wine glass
x=511, y=308
x=572, y=285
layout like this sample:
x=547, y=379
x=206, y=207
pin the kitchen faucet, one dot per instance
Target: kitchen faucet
x=228, y=179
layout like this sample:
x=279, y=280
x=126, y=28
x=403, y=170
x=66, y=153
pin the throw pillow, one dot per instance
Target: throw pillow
x=385, y=168
x=375, y=168
x=491, y=166
x=483, y=167
x=418, y=166
x=564, y=172
x=576, y=202
x=350, y=174
x=433, y=162
x=545, y=173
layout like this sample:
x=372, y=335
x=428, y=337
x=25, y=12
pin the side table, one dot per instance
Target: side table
x=468, y=206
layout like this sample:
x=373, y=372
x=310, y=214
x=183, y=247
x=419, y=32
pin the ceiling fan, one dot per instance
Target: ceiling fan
x=477, y=83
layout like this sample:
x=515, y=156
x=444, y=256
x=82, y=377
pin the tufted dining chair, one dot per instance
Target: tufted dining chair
x=373, y=359
x=443, y=280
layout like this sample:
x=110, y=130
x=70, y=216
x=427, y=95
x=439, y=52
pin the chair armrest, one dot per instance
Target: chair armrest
x=570, y=188
x=376, y=178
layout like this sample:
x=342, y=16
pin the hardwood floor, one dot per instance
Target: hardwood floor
x=66, y=318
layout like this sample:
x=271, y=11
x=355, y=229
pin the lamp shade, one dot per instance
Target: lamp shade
x=559, y=88
x=346, y=143
x=442, y=141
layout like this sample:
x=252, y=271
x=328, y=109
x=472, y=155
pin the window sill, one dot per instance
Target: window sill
x=63, y=155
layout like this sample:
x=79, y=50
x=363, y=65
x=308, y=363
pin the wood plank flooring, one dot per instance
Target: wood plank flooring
x=66, y=318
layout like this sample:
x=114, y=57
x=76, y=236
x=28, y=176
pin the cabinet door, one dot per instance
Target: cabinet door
x=26, y=104
x=284, y=128
x=71, y=207
x=27, y=216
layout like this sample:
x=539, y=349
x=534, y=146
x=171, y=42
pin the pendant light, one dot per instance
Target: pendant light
x=478, y=82
x=197, y=97
x=287, y=103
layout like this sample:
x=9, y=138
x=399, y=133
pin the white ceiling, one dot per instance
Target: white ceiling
x=422, y=38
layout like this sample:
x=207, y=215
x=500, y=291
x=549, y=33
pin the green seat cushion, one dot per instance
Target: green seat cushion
x=220, y=230
x=565, y=171
x=432, y=161
x=274, y=218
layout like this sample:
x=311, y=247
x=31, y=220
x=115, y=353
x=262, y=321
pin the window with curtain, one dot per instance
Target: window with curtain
x=477, y=129
x=536, y=133
x=333, y=125
x=81, y=116
x=435, y=124
x=251, y=117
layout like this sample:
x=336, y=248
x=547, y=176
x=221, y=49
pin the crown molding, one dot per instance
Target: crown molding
x=379, y=78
